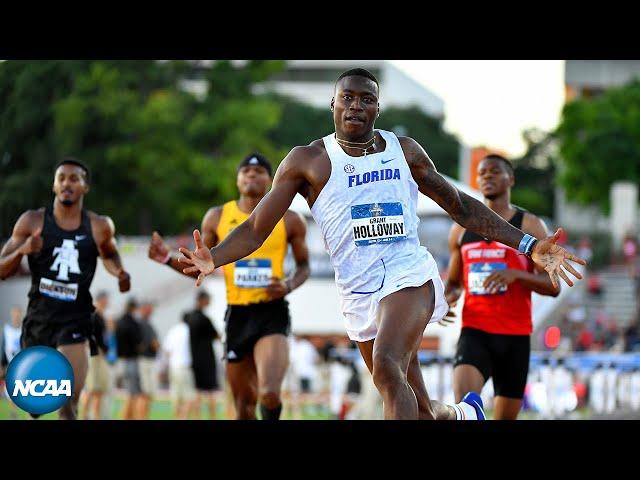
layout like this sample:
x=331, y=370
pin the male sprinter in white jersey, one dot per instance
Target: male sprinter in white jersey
x=62, y=244
x=362, y=185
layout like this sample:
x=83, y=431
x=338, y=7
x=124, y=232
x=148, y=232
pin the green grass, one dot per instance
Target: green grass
x=160, y=410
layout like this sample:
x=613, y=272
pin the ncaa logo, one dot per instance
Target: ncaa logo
x=348, y=168
x=39, y=380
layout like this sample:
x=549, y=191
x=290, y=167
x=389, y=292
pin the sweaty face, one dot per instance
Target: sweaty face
x=494, y=178
x=69, y=184
x=355, y=106
x=253, y=180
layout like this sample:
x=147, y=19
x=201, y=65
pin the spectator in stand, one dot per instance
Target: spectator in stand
x=630, y=250
x=584, y=249
x=594, y=285
x=585, y=340
x=575, y=316
x=632, y=337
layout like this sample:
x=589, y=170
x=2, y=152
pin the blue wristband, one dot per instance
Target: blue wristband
x=526, y=244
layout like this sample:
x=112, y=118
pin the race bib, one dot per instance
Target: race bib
x=67, y=292
x=478, y=272
x=252, y=273
x=377, y=223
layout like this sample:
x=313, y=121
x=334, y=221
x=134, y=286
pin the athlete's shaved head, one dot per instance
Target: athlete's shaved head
x=507, y=164
x=359, y=72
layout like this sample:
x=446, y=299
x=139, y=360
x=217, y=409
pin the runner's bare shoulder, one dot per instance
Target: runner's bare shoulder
x=102, y=227
x=304, y=155
x=29, y=222
x=212, y=216
x=35, y=217
x=534, y=225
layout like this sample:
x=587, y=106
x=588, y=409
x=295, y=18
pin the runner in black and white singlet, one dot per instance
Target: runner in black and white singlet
x=62, y=244
x=361, y=185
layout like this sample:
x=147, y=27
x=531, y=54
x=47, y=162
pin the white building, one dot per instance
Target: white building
x=590, y=78
x=312, y=82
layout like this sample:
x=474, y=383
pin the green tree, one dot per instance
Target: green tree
x=442, y=147
x=27, y=143
x=600, y=143
x=160, y=156
x=535, y=188
x=301, y=124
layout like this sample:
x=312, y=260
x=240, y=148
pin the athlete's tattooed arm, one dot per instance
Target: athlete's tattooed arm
x=103, y=231
x=538, y=281
x=24, y=240
x=464, y=209
x=475, y=216
x=250, y=234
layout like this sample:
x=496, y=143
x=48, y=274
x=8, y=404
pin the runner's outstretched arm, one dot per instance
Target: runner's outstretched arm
x=251, y=234
x=477, y=217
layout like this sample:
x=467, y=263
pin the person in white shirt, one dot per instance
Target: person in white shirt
x=305, y=357
x=634, y=387
x=597, y=388
x=177, y=349
x=303, y=375
x=9, y=348
x=11, y=333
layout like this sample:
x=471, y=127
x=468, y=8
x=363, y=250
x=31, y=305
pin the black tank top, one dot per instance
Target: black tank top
x=61, y=273
x=516, y=221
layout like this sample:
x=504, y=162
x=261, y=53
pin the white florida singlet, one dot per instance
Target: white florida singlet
x=367, y=215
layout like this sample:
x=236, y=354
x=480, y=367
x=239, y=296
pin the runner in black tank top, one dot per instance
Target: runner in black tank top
x=62, y=244
x=61, y=273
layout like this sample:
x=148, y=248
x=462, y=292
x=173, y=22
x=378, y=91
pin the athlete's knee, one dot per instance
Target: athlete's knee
x=387, y=369
x=270, y=399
